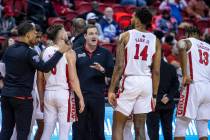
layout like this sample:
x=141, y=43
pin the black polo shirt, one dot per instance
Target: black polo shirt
x=21, y=62
x=92, y=82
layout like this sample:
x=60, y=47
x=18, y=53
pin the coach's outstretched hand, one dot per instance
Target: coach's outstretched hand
x=81, y=105
x=63, y=46
x=112, y=99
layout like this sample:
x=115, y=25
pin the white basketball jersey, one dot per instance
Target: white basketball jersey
x=139, y=53
x=198, y=60
x=57, y=78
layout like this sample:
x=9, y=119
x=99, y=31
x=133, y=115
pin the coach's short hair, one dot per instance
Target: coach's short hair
x=53, y=30
x=144, y=15
x=89, y=27
x=25, y=27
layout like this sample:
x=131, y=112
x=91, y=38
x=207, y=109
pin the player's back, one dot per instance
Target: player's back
x=57, y=78
x=139, y=52
x=198, y=60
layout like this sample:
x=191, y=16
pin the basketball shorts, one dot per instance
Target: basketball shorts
x=194, y=101
x=135, y=95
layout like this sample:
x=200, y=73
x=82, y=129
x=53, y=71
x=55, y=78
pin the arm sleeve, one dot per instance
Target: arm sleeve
x=39, y=64
x=174, y=85
x=109, y=65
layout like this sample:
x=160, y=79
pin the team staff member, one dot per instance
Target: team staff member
x=21, y=63
x=168, y=89
x=93, y=64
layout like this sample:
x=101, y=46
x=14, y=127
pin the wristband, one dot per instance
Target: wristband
x=154, y=96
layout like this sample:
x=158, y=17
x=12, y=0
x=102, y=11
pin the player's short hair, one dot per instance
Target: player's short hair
x=25, y=27
x=191, y=30
x=53, y=30
x=89, y=27
x=144, y=15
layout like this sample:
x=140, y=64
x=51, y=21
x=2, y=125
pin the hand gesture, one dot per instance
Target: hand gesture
x=98, y=67
x=112, y=99
x=81, y=105
x=165, y=99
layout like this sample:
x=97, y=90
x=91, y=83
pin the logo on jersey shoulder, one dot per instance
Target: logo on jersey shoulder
x=36, y=58
x=81, y=55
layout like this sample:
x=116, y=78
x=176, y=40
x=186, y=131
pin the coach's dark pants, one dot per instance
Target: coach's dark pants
x=16, y=112
x=90, y=125
x=153, y=119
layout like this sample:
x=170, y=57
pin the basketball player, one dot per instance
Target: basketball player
x=134, y=60
x=58, y=99
x=194, y=101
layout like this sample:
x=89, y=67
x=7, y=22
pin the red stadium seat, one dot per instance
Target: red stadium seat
x=118, y=8
x=2, y=39
x=84, y=6
x=71, y=15
x=78, y=2
x=124, y=21
x=202, y=25
x=55, y=20
x=102, y=7
x=92, y=0
x=118, y=15
x=82, y=11
x=108, y=46
x=109, y=1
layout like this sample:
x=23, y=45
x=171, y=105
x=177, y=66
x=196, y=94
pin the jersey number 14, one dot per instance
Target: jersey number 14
x=143, y=53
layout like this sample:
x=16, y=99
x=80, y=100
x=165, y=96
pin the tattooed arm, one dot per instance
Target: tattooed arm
x=184, y=45
x=119, y=65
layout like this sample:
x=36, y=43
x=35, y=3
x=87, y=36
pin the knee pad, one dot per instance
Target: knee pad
x=202, y=128
x=181, y=126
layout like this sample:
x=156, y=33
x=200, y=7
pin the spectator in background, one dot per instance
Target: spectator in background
x=8, y=42
x=91, y=19
x=168, y=89
x=167, y=23
x=134, y=2
x=94, y=10
x=78, y=29
x=109, y=27
x=39, y=11
x=177, y=7
x=7, y=22
x=199, y=8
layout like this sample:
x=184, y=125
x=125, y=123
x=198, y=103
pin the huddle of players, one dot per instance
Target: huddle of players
x=137, y=52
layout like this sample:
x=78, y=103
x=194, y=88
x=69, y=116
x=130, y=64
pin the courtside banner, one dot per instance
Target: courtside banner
x=191, y=132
